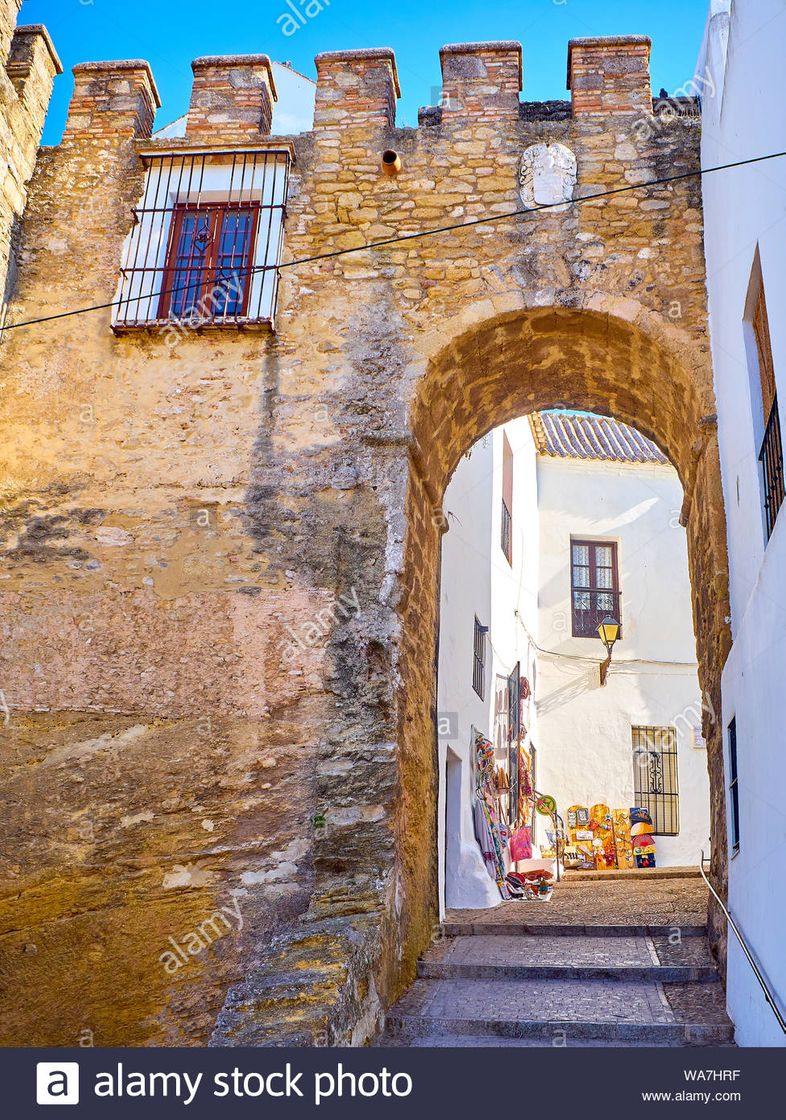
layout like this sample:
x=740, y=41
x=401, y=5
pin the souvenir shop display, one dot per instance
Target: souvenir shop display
x=531, y=885
x=521, y=843
x=580, y=837
x=499, y=820
x=524, y=784
x=556, y=835
x=600, y=839
x=572, y=858
x=601, y=822
x=491, y=831
x=641, y=830
x=546, y=805
x=623, y=844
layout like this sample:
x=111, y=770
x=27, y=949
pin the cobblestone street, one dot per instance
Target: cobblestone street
x=620, y=961
x=668, y=901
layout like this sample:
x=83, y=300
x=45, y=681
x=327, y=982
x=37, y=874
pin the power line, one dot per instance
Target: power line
x=405, y=237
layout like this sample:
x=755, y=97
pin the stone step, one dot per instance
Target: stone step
x=490, y=928
x=631, y=873
x=451, y=1041
x=566, y=957
x=676, y=974
x=556, y=1012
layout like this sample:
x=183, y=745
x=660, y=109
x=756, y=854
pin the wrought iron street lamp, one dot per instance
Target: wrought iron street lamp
x=608, y=632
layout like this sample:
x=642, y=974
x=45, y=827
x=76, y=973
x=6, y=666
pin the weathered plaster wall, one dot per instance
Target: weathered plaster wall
x=320, y=455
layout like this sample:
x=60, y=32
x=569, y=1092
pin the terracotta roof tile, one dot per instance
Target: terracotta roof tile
x=568, y=435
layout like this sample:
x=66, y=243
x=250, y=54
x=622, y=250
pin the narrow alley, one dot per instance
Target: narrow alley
x=620, y=961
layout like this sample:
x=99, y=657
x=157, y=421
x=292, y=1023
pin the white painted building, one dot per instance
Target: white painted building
x=583, y=489
x=744, y=85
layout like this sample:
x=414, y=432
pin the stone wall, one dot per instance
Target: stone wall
x=221, y=559
x=28, y=64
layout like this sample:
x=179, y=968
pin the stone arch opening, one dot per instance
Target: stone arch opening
x=649, y=375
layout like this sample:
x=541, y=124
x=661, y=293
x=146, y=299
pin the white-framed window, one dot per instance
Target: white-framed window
x=206, y=242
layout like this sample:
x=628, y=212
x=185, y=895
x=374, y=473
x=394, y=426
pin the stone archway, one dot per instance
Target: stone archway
x=634, y=366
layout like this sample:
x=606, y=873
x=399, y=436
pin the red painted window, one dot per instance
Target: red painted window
x=595, y=586
x=209, y=262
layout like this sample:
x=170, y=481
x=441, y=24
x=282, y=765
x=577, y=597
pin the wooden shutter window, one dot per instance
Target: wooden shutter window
x=595, y=586
x=761, y=330
x=209, y=259
x=507, y=473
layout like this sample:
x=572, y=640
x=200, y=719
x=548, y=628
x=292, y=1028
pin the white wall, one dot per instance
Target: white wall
x=744, y=209
x=465, y=592
x=478, y=580
x=584, y=730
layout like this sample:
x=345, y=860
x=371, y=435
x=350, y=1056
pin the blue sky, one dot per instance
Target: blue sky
x=169, y=33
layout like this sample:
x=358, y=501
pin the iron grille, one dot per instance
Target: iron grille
x=590, y=607
x=655, y=777
x=771, y=459
x=479, y=660
x=734, y=787
x=595, y=586
x=206, y=242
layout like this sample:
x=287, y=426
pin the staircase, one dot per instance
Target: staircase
x=513, y=977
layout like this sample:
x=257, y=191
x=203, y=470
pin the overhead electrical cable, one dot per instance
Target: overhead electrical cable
x=405, y=237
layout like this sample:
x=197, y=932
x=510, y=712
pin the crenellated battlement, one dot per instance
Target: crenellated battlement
x=480, y=80
x=356, y=88
x=112, y=100
x=610, y=75
x=232, y=96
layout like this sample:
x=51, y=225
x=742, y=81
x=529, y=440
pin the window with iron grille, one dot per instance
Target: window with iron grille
x=506, y=535
x=771, y=449
x=655, y=777
x=594, y=587
x=734, y=788
x=479, y=660
x=506, y=530
x=208, y=261
x=206, y=243
x=771, y=459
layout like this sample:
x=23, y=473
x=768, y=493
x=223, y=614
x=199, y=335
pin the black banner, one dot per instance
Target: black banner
x=329, y=1083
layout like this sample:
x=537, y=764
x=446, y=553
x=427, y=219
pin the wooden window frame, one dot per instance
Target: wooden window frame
x=216, y=212
x=761, y=333
x=772, y=480
x=614, y=591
